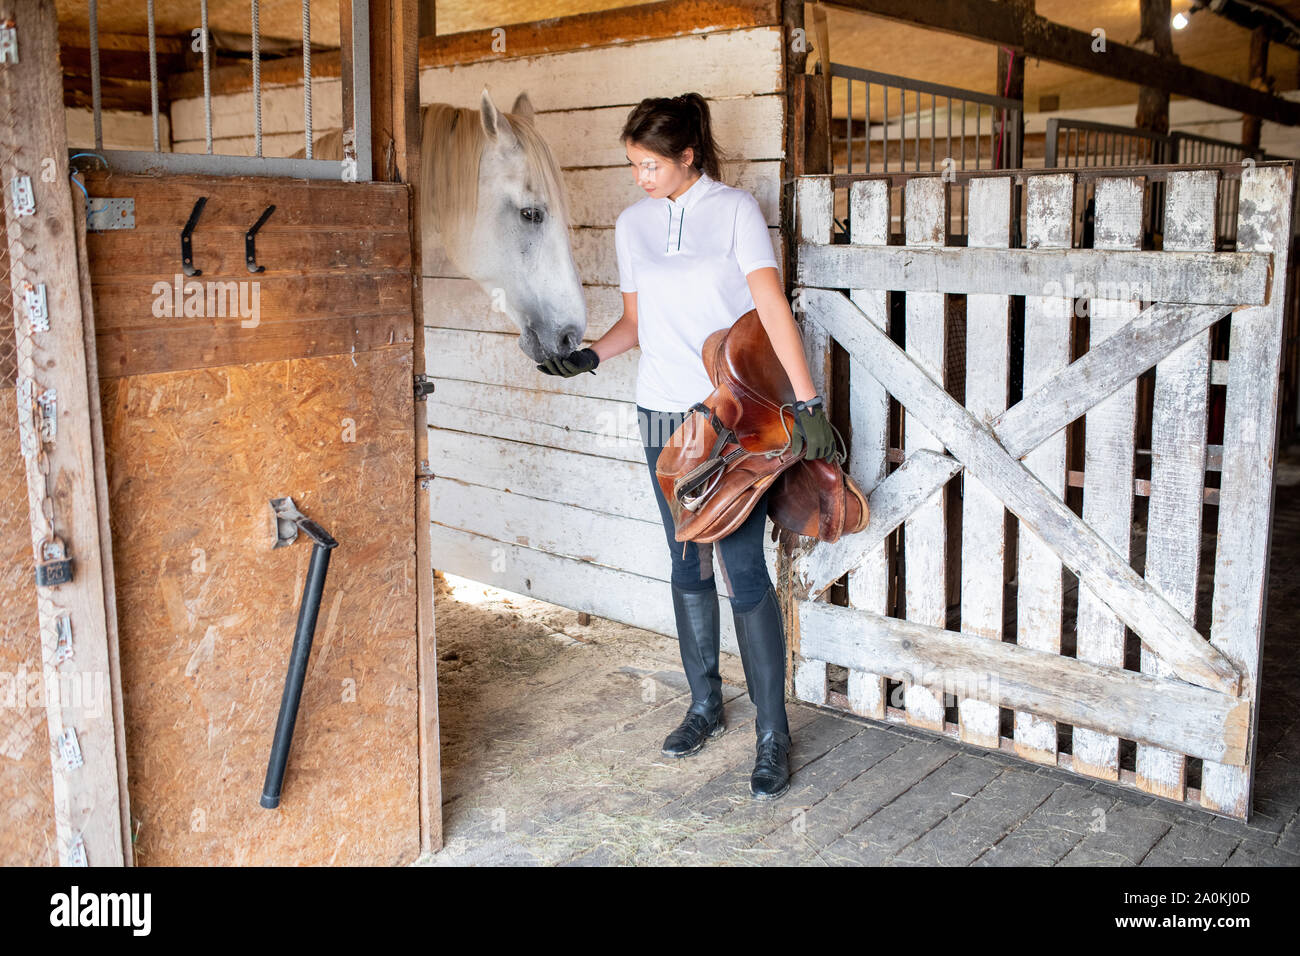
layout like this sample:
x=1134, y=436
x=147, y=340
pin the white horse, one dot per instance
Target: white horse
x=494, y=196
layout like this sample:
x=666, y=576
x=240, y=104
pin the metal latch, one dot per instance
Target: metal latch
x=423, y=387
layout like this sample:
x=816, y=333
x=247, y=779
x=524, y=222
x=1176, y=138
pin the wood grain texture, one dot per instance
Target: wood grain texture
x=26, y=789
x=337, y=279
x=1193, y=719
x=1241, y=555
x=87, y=800
x=1178, y=461
x=1108, y=466
x=868, y=463
x=925, y=533
x=208, y=608
x=983, y=523
x=1049, y=202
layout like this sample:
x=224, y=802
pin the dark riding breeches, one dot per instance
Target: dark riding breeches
x=740, y=554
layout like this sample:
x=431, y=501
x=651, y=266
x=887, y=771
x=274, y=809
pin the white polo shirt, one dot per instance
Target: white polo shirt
x=689, y=280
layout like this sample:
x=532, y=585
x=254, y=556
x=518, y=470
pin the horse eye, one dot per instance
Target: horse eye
x=533, y=214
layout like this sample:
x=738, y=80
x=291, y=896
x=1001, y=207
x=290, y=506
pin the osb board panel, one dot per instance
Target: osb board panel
x=208, y=609
x=26, y=791
x=337, y=279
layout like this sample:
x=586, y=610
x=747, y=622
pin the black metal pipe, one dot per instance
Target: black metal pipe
x=302, y=640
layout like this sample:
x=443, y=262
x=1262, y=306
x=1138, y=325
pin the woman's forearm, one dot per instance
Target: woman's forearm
x=620, y=337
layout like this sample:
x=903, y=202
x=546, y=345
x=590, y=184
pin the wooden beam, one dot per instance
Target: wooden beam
x=1205, y=278
x=648, y=21
x=1154, y=37
x=89, y=796
x=1258, y=79
x=1043, y=39
x=1189, y=720
x=395, y=139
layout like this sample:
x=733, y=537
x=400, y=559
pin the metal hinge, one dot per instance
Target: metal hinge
x=423, y=387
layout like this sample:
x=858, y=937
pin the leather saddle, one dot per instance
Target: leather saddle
x=735, y=446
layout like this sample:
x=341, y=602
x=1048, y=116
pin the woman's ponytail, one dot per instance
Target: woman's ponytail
x=669, y=126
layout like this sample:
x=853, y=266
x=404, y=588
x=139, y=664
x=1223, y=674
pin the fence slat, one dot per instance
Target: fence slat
x=869, y=418
x=1178, y=449
x=1249, y=450
x=1049, y=223
x=1206, y=278
x=925, y=532
x=1108, y=467
x=814, y=210
x=1202, y=721
x=983, y=523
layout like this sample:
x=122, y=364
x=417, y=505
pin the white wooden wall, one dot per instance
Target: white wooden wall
x=542, y=484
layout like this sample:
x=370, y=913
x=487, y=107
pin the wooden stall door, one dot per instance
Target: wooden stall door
x=1174, y=711
x=223, y=391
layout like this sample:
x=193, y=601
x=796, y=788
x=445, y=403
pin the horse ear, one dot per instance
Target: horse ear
x=495, y=124
x=523, y=106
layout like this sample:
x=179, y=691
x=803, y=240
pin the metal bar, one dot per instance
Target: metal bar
x=920, y=86
x=979, y=115
x=867, y=97
x=361, y=88
x=932, y=112
x=94, y=74
x=257, y=78
x=916, y=133
x=948, y=132
x=140, y=161
x=885, y=91
x=207, y=76
x=153, y=77
x=306, y=75
x=848, y=94
x=308, y=611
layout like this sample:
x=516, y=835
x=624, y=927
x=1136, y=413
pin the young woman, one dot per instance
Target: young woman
x=680, y=283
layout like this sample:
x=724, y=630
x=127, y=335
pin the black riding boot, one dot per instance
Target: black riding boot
x=761, y=636
x=698, y=638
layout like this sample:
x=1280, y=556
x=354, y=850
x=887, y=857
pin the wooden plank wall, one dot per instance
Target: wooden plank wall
x=543, y=487
x=206, y=419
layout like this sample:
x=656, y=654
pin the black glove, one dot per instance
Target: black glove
x=575, y=363
x=812, y=429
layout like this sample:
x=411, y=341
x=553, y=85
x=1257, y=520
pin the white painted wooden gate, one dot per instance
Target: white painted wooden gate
x=1185, y=704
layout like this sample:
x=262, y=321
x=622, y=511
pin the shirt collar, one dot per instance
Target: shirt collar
x=693, y=193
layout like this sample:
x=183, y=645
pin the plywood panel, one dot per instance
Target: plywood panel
x=208, y=608
x=26, y=790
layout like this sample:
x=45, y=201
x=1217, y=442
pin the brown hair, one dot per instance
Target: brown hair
x=669, y=126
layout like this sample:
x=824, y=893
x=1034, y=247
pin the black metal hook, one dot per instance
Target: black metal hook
x=187, y=254
x=250, y=250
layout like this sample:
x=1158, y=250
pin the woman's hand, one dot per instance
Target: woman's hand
x=812, y=430
x=584, y=360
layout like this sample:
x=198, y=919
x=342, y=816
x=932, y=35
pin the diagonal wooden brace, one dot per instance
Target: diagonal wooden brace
x=1157, y=623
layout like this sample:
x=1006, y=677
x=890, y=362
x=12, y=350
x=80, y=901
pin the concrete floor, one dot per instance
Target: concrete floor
x=550, y=746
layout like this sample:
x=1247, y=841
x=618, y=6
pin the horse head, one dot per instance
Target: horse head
x=496, y=196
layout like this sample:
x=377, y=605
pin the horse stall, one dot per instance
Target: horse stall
x=264, y=387
x=228, y=456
